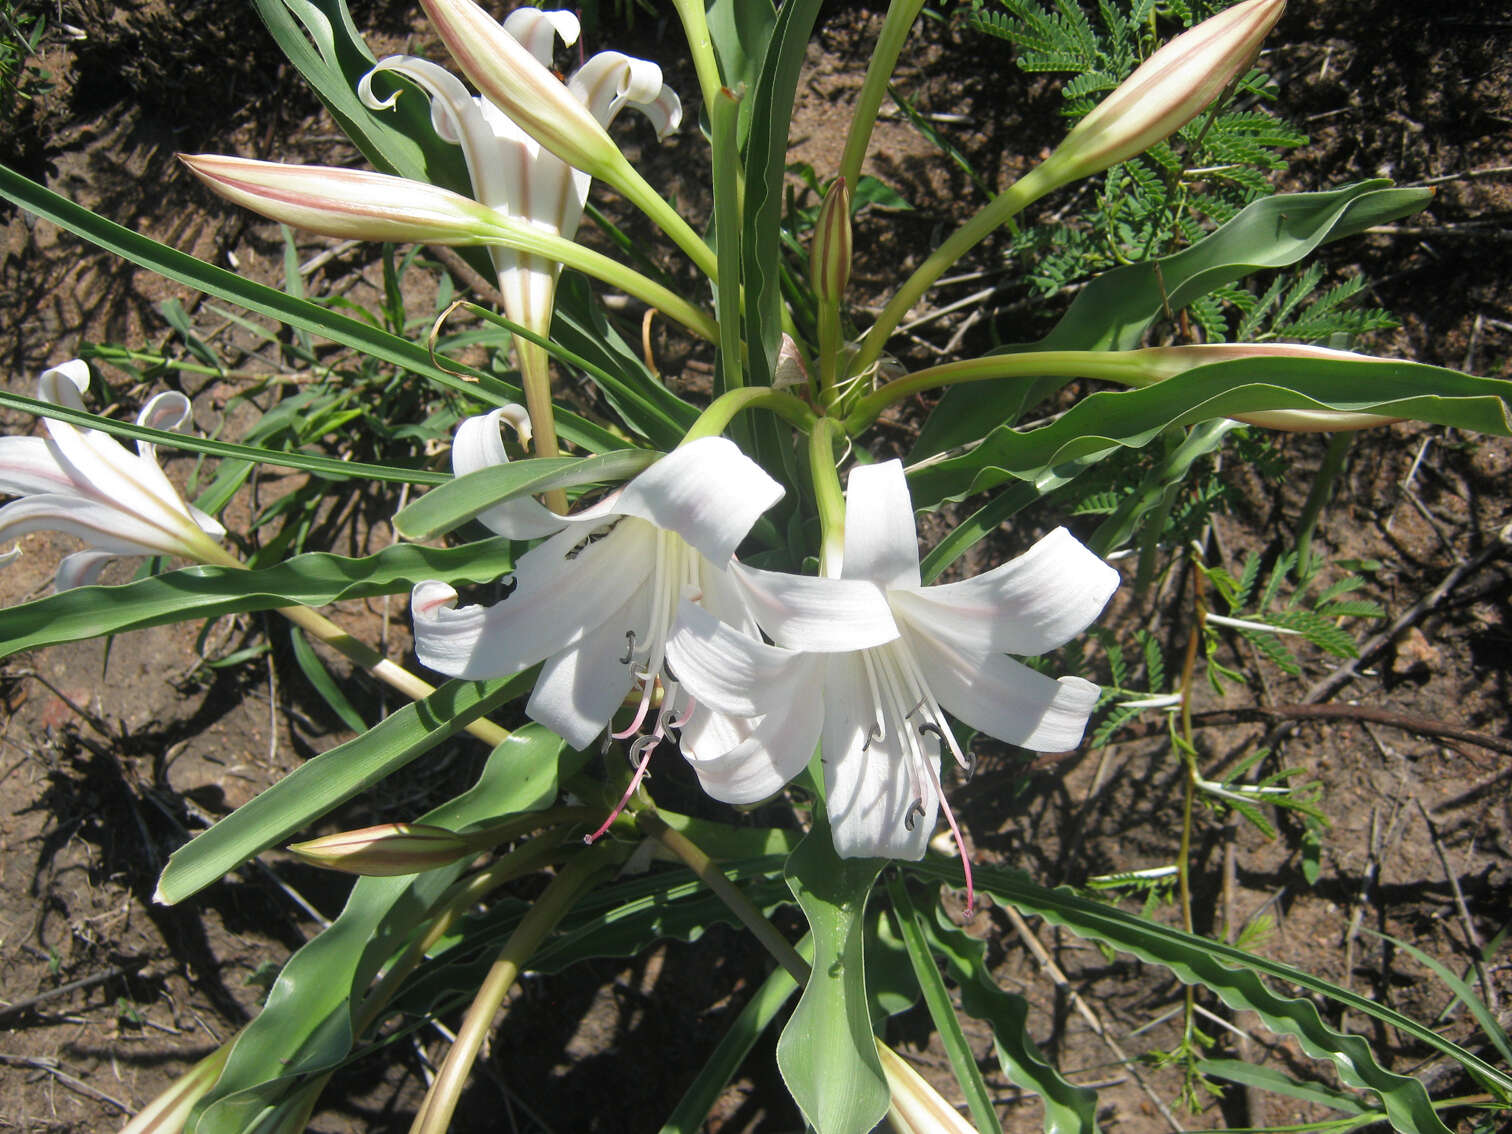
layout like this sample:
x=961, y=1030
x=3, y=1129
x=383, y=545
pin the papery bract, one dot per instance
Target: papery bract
x=87, y=484
x=878, y=714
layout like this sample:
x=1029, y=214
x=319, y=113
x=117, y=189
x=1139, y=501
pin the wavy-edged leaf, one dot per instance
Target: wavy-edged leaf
x=1069, y=1109
x=331, y=778
x=459, y=500
x=314, y=579
x=1108, y=420
x=913, y=928
x=1235, y=977
x=307, y=1024
x=1114, y=310
x=827, y=1053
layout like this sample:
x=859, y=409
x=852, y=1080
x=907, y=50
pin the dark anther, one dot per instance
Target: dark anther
x=915, y=810
x=629, y=647
x=508, y=585
x=929, y=728
x=970, y=769
x=873, y=736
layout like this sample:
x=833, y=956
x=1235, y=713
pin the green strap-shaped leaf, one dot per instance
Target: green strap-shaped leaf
x=209, y=592
x=913, y=927
x=1114, y=310
x=1234, y=976
x=1109, y=419
x=459, y=500
x=1270, y=1079
x=280, y=458
x=333, y=777
x=1069, y=1109
x=300, y=313
x=306, y=1026
x=827, y=1053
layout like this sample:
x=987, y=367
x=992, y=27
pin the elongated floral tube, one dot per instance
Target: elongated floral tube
x=350, y=203
x=1161, y=363
x=1167, y=91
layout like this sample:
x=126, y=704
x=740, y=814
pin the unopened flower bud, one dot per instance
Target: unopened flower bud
x=349, y=203
x=917, y=1108
x=830, y=255
x=519, y=84
x=1160, y=363
x=1168, y=90
x=385, y=850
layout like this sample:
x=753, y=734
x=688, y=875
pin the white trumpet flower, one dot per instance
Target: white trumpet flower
x=878, y=714
x=87, y=484
x=598, y=600
x=510, y=170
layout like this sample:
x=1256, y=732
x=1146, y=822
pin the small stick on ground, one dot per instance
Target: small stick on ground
x=1488, y=989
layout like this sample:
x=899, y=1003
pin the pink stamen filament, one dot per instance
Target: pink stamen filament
x=647, y=745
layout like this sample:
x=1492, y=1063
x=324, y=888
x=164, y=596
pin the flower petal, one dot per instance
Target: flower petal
x=881, y=543
x=537, y=30
x=580, y=688
x=1003, y=697
x=105, y=528
x=27, y=466
x=804, y=612
x=742, y=761
x=610, y=81
x=1029, y=605
x=556, y=602
x=81, y=569
x=477, y=445
x=734, y=674
x=866, y=785
x=708, y=492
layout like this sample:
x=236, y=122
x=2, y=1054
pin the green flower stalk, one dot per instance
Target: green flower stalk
x=829, y=273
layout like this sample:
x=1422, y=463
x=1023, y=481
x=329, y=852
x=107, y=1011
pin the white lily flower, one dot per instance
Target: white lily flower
x=878, y=713
x=598, y=599
x=510, y=170
x=87, y=484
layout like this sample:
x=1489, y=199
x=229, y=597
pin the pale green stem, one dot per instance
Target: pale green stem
x=723, y=113
x=827, y=495
x=461, y=898
x=710, y=875
x=1189, y=759
x=640, y=193
x=998, y=212
x=1127, y=367
x=1317, y=497
x=722, y=410
x=554, y=903
x=523, y=238
x=696, y=28
x=899, y=19
x=535, y=376
x=394, y=676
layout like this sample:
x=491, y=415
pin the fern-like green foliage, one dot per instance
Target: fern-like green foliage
x=1180, y=189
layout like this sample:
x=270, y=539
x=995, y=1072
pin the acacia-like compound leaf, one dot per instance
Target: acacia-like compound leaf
x=314, y=579
x=827, y=1053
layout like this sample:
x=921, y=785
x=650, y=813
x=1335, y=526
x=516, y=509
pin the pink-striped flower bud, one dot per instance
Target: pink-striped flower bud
x=916, y=1107
x=349, y=203
x=385, y=850
x=1161, y=363
x=830, y=254
x=1168, y=90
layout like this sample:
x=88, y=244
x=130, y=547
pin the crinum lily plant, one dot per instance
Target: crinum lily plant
x=718, y=586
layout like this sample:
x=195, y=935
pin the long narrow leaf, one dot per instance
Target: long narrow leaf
x=331, y=778
x=209, y=592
